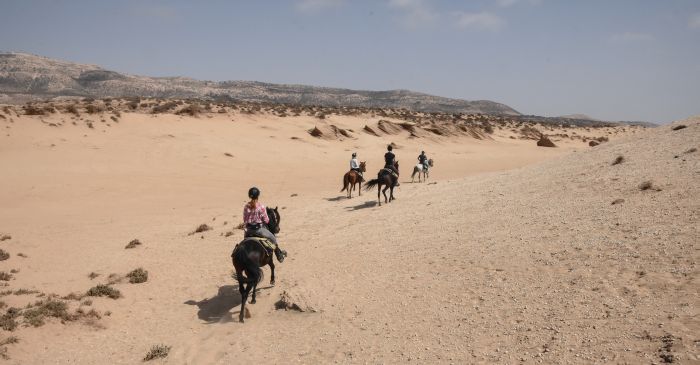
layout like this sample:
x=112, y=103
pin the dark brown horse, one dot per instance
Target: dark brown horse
x=351, y=178
x=386, y=178
x=249, y=256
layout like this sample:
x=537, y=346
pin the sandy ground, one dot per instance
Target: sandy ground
x=511, y=253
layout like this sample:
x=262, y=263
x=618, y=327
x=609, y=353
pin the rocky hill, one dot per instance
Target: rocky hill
x=25, y=77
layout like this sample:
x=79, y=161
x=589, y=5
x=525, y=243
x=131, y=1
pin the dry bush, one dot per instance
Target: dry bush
x=5, y=237
x=104, y=291
x=201, y=228
x=73, y=110
x=8, y=321
x=133, y=244
x=93, y=275
x=618, y=201
x=138, y=276
x=9, y=340
x=618, y=160
x=691, y=150
x=23, y=291
x=679, y=127
x=157, y=352
x=94, y=109
x=5, y=276
x=4, y=255
x=36, y=110
x=192, y=110
x=36, y=314
x=163, y=108
x=648, y=185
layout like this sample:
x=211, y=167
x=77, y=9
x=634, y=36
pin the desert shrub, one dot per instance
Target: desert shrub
x=93, y=109
x=202, y=228
x=691, y=150
x=133, y=105
x=191, y=110
x=34, y=110
x=138, y=276
x=93, y=275
x=36, y=314
x=157, y=352
x=8, y=321
x=114, y=119
x=133, y=244
x=72, y=109
x=679, y=127
x=9, y=340
x=5, y=276
x=104, y=291
x=618, y=160
x=4, y=255
x=165, y=107
x=24, y=291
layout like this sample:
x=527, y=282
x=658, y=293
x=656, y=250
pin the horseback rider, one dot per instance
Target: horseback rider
x=355, y=166
x=254, y=215
x=423, y=160
x=389, y=159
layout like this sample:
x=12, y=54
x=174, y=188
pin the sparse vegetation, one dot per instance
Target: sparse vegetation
x=104, y=291
x=93, y=275
x=191, y=110
x=202, y=228
x=679, y=127
x=157, y=352
x=24, y=291
x=618, y=160
x=648, y=185
x=133, y=244
x=4, y=255
x=5, y=237
x=8, y=321
x=4, y=276
x=691, y=150
x=9, y=340
x=36, y=314
x=138, y=276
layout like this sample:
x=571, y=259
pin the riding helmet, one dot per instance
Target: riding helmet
x=354, y=154
x=422, y=152
x=389, y=148
x=253, y=193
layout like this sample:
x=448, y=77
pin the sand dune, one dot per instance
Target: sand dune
x=510, y=253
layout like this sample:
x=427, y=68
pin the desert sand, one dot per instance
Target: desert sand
x=510, y=253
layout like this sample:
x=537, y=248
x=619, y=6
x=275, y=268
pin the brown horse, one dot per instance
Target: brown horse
x=249, y=256
x=351, y=178
x=421, y=169
x=386, y=178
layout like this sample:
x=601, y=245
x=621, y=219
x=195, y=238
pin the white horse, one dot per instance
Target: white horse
x=419, y=168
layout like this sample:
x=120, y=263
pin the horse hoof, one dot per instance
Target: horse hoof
x=252, y=302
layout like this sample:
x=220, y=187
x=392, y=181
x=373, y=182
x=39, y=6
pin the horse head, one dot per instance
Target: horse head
x=274, y=216
x=363, y=166
x=396, y=164
x=430, y=162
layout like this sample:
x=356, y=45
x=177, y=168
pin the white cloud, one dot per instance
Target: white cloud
x=414, y=13
x=316, y=6
x=480, y=21
x=630, y=37
x=694, y=22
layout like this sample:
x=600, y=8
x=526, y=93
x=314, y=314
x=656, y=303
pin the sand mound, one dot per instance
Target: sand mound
x=389, y=127
x=329, y=132
x=294, y=300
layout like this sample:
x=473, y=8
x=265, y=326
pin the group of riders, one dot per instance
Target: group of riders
x=255, y=215
x=389, y=162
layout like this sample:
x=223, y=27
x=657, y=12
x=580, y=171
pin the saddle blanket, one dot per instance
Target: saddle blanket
x=265, y=242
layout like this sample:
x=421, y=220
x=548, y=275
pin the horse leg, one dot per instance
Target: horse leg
x=244, y=298
x=384, y=192
x=391, y=193
x=272, y=269
x=359, y=190
x=379, y=193
x=255, y=289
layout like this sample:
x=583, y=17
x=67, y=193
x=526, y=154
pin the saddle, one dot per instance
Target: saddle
x=269, y=245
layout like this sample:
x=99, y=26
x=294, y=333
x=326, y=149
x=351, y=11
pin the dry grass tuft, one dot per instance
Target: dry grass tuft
x=133, y=244
x=104, y=291
x=8, y=320
x=679, y=127
x=4, y=276
x=5, y=237
x=201, y=228
x=618, y=160
x=4, y=255
x=93, y=275
x=138, y=276
x=157, y=352
x=36, y=314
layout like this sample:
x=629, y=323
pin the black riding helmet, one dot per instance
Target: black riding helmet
x=389, y=148
x=354, y=154
x=253, y=193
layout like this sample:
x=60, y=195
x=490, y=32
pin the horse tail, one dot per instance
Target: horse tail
x=345, y=183
x=415, y=169
x=251, y=267
x=370, y=184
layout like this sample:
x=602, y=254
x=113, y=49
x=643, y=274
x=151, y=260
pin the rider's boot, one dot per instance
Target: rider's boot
x=281, y=254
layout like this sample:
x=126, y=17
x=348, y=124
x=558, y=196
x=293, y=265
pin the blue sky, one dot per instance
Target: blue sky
x=612, y=59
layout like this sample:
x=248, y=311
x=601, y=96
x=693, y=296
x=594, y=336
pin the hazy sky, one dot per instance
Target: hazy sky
x=610, y=59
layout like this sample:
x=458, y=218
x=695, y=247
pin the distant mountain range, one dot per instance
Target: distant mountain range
x=25, y=77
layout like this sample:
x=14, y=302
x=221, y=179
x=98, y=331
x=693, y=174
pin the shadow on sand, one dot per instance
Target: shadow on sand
x=367, y=204
x=337, y=198
x=217, y=309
